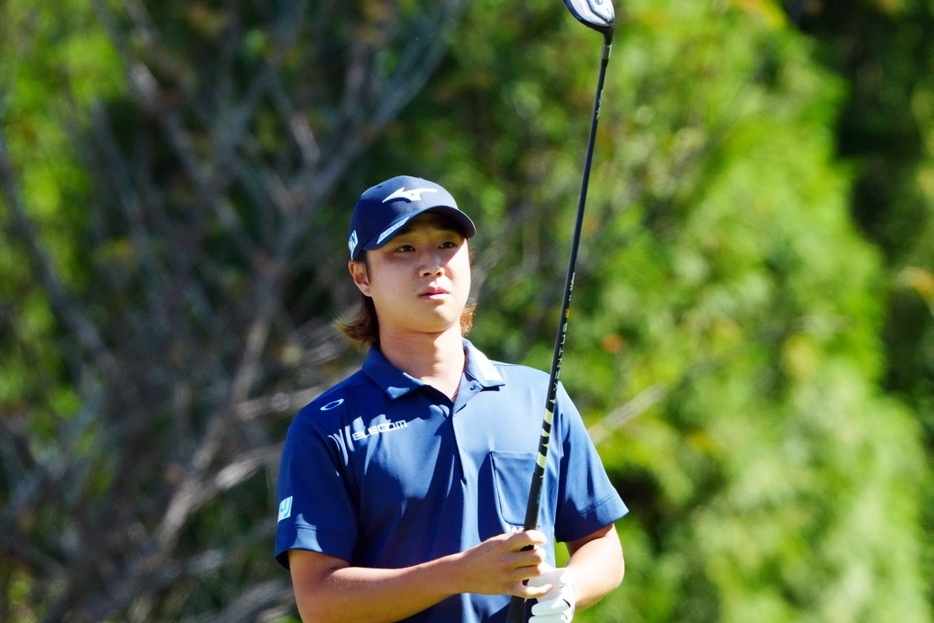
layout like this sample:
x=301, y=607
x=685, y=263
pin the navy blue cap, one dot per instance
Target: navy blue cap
x=388, y=206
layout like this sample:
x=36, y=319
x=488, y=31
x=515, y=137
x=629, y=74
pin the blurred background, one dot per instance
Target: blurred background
x=752, y=342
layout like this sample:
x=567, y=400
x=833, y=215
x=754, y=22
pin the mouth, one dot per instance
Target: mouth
x=433, y=292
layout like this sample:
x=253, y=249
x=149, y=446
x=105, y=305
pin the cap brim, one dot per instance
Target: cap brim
x=461, y=220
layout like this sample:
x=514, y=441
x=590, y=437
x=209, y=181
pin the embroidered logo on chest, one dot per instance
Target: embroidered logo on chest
x=379, y=429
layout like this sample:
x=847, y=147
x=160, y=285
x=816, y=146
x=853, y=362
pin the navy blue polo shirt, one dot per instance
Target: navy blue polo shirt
x=386, y=472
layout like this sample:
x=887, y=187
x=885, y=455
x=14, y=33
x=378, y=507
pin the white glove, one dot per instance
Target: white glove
x=557, y=605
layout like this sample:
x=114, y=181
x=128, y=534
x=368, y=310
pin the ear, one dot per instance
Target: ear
x=360, y=278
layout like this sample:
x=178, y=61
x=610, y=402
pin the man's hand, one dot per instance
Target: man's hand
x=558, y=604
x=501, y=564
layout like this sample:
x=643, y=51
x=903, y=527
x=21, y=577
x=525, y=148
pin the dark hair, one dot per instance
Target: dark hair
x=362, y=325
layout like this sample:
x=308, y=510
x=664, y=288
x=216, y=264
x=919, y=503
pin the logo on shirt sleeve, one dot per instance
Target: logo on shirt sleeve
x=285, y=508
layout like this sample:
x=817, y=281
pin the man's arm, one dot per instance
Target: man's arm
x=596, y=565
x=329, y=589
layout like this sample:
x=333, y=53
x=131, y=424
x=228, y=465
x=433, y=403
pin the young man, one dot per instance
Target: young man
x=402, y=489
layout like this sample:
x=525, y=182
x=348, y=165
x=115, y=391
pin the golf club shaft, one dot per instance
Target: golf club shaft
x=517, y=604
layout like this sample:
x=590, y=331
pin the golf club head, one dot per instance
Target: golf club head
x=596, y=14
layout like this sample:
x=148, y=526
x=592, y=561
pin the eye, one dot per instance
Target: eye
x=452, y=241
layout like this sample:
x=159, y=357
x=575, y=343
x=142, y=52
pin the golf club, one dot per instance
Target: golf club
x=600, y=16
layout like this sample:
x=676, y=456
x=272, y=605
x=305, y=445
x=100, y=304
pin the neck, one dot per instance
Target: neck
x=436, y=359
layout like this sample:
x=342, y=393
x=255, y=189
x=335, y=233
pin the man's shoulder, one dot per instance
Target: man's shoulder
x=492, y=369
x=334, y=399
x=519, y=372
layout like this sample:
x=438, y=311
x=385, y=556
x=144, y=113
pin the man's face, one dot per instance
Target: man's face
x=420, y=280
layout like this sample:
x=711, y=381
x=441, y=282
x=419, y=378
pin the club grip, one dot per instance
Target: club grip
x=516, y=613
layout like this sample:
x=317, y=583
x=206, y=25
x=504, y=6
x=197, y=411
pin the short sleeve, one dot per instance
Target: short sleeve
x=587, y=500
x=316, y=510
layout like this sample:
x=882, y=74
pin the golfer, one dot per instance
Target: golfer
x=402, y=489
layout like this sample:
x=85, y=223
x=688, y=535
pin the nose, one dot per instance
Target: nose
x=431, y=264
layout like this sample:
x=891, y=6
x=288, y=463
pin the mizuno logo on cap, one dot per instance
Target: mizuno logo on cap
x=409, y=195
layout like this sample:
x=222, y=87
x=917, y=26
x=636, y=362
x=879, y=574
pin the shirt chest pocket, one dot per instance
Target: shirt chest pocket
x=512, y=475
